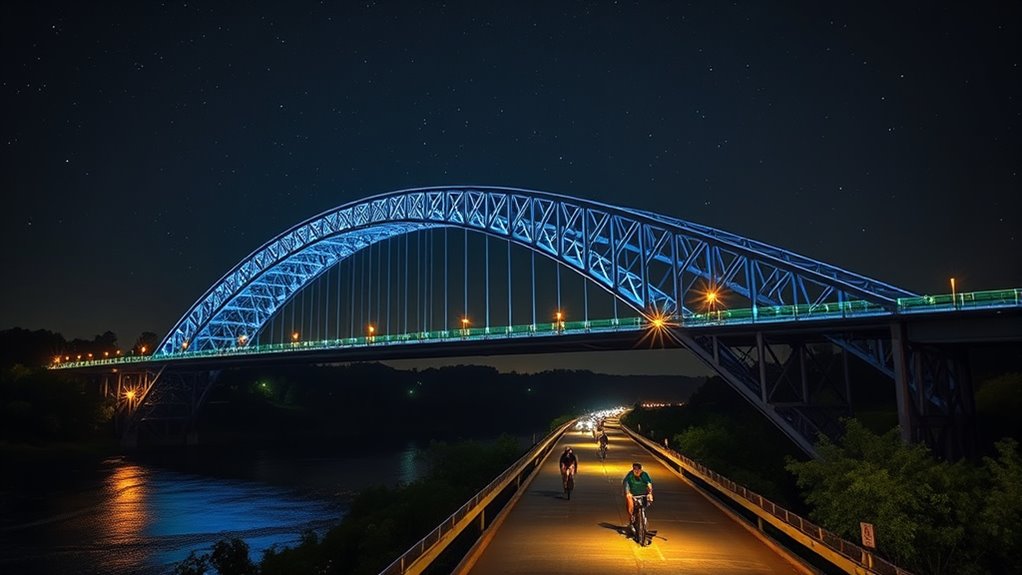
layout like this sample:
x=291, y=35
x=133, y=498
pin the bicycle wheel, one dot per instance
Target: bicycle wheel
x=642, y=527
x=570, y=486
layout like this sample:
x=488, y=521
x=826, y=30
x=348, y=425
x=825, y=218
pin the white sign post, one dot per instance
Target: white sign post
x=868, y=538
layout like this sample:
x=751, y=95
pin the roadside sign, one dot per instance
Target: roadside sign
x=868, y=538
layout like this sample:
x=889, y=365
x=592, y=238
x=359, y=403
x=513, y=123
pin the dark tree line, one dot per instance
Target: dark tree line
x=327, y=403
x=42, y=347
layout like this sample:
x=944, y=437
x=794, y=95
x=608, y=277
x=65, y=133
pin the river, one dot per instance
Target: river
x=142, y=515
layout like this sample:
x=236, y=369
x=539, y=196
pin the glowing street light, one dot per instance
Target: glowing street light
x=294, y=337
x=559, y=318
x=242, y=339
x=184, y=345
x=714, y=301
x=464, y=327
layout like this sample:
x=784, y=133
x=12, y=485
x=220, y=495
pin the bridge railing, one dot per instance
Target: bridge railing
x=420, y=555
x=858, y=308
x=837, y=551
x=756, y=315
x=966, y=300
x=436, y=336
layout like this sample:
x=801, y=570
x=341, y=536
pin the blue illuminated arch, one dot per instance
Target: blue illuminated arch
x=654, y=263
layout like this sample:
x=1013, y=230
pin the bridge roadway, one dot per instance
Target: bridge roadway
x=545, y=533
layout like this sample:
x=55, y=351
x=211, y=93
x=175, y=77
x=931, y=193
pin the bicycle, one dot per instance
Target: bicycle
x=569, y=483
x=603, y=452
x=639, y=523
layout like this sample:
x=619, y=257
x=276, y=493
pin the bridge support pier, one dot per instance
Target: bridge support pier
x=160, y=408
x=796, y=381
x=936, y=405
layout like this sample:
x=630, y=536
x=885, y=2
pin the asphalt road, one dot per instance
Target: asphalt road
x=547, y=533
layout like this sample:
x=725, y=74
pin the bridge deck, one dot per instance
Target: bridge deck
x=545, y=533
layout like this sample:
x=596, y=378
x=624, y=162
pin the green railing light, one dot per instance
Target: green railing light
x=1008, y=298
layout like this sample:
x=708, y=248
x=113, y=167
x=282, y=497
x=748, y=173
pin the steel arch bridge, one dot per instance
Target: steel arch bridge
x=662, y=267
x=653, y=263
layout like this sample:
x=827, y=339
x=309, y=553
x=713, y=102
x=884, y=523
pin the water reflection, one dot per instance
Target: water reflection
x=141, y=518
x=126, y=514
x=409, y=467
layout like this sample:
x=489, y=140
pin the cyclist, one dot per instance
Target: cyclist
x=604, y=440
x=569, y=465
x=637, y=482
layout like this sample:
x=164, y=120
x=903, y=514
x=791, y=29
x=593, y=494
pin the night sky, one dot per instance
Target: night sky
x=148, y=147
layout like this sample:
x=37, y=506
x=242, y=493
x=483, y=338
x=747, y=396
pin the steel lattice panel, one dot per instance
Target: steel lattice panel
x=655, y=263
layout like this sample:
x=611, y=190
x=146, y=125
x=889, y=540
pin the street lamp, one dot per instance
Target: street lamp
x=464, y=327
x=372, y=333
x=712, y=298
x=241, y=340
x=559, y=317
x=294, y=337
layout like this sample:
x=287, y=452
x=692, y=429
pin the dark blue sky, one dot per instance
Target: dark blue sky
x=149, y=147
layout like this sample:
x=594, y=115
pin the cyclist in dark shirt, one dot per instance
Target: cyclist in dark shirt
x=569, y=465
x=603, y=441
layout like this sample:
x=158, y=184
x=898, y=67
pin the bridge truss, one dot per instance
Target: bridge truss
x=674, y=275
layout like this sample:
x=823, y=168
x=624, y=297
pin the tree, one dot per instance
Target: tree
x=1000, y=522
x=146, y=343
x=922, y=508
x=193, y=565
x=230, y=557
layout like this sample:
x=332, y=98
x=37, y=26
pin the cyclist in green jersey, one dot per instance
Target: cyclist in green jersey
x=637, y=482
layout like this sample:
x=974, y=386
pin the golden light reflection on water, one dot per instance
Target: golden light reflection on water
x=126, y=515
